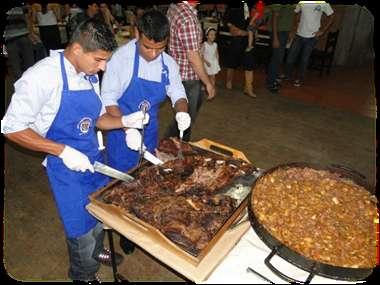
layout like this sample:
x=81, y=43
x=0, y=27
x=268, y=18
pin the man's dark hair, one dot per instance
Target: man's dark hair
x=93, y=34
x=83, y=4
x=154, y=25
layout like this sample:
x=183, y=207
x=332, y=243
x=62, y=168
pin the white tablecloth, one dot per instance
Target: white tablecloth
x=251, y=252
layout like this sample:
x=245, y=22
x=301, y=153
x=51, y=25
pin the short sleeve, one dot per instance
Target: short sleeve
x=27, y=101
x=327, y=9
x=298, y=8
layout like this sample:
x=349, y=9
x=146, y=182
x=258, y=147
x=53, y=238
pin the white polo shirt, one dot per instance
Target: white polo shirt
x=119, y=73
x=311, y=14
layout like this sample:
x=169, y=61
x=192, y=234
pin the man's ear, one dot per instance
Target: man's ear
x=77, y=49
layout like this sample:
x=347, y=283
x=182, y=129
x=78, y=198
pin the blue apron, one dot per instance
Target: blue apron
x=74, y=126
x=140, y=92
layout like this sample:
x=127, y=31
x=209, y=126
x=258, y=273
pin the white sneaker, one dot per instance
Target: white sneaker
x=297, y=83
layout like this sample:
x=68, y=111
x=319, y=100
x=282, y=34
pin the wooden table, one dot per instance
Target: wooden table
x=169, y=256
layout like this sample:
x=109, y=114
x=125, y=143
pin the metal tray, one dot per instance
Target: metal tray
x=238, y=188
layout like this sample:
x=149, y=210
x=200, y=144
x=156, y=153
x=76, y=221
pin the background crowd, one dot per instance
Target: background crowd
x=247, y=35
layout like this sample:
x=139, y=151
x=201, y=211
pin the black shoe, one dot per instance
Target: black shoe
x=274, y=88
x=126, y=245
x=89, y=282
x=282, y=77
x=104, y=257
x=96, y=280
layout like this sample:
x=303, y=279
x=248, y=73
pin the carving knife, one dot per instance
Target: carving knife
x=112, y=172
x=151, y=158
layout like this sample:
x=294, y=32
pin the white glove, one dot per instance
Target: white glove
x=75, y=160
x=135, y=120
x=133, y=139
x=183, y=120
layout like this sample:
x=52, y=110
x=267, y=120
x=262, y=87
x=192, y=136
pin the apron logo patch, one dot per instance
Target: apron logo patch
x=84, y=125
x=144, y=105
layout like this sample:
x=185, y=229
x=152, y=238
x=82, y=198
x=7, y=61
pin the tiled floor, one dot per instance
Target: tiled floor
x=350, y=89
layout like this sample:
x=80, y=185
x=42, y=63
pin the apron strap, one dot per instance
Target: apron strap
x=136, y=63
x=165, y=72
x=63, y=72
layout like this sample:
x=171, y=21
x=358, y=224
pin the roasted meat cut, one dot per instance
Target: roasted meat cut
x=183, y=198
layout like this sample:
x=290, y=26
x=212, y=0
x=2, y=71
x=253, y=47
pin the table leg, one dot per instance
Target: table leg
x=112, y=249
x=117, y=277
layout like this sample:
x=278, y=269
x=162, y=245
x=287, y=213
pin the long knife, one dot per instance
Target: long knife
x=151, y=158
x=112, y=172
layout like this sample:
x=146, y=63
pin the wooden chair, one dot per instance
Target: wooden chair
x=321, y=60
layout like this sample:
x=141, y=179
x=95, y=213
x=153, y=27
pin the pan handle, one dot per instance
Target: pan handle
x=220, y=148
x=348, y=169
x=282, y=275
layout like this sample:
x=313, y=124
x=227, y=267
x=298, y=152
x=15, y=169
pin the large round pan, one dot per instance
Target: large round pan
x=307, y=264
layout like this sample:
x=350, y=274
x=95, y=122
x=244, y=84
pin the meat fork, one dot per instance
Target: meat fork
x=179, y=154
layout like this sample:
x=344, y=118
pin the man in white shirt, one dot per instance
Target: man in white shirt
x=55, y=109
x=308, y=23
x=139, y=76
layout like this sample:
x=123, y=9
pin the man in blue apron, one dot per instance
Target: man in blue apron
x=55, y=109
x=139, y=76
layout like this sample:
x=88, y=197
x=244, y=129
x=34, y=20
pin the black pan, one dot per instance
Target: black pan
x=307, y=264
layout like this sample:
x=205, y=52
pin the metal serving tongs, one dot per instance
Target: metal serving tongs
x=144, y=108
x=142, y=151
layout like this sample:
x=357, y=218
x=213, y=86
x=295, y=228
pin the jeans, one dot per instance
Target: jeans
x=82, y=251
x=303, y=47
x=277, y=58
x=194, y=97
x=20, y=54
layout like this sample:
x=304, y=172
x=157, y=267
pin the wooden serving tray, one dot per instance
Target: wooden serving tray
x=195, y=268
